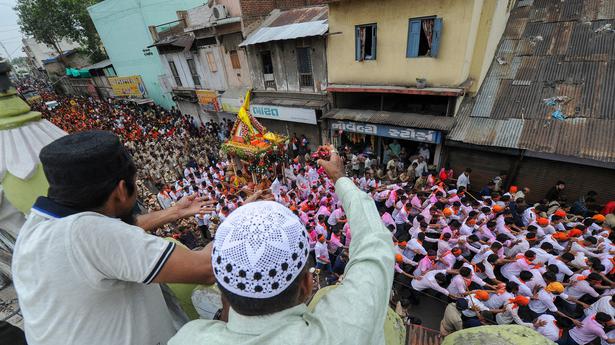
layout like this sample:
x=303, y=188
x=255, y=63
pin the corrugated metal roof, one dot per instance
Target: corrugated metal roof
x=551, y=48
x=292, y=24
x=393, y=118
x=100, y=64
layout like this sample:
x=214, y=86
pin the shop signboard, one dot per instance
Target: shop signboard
x=231, y=105
x=131, y=86
x=208, y=100
x=275, y=112
x=403, y=133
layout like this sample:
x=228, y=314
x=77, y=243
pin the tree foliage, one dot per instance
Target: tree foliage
x=51, y=21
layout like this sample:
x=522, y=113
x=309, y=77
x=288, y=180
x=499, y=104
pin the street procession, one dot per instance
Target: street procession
x=269, y=172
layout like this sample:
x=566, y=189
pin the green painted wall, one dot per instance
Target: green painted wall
x=122, y=26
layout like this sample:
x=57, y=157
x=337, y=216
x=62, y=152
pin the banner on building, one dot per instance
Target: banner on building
x=275, y=112
x=232, y=99
x=404, y=133
x=208, y=100
x=231, y=105
x=131, y=86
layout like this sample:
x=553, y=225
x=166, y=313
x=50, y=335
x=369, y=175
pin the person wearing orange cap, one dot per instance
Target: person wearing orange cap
x=447, y=212
x=599, y=218
x=510, y=312
x=497, y=208
x=542, y=221
x=399, y=261
x=543, y=301
x=407, y=254
x=575, y=233
x=321, y=251
x=472, y=316
x=560, y=213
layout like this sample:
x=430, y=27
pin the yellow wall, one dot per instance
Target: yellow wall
x=493, y=22
x=462, y=30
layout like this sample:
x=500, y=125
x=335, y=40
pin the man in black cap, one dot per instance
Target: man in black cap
x=83, y=273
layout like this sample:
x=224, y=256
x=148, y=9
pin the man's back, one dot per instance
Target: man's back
x=67, y=275
x=294, y=326
x=353, y=313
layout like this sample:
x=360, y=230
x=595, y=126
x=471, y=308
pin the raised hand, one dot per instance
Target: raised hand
x=334, y=167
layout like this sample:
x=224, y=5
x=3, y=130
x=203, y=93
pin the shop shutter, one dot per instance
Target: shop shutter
x=542, y=174
x=485, y=165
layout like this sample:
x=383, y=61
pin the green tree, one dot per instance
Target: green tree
x=85, y=32
x=51, y=21
x=45, y=21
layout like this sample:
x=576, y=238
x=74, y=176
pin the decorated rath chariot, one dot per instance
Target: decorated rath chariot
x=261, y=151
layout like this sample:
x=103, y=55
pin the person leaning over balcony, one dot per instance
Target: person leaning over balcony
x=259, y=258
x=84, y=274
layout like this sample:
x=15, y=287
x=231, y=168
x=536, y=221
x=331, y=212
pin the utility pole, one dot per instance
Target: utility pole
x=8, y=55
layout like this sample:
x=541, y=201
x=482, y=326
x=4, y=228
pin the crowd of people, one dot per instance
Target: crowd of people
x=496, y=259
x=493, y=257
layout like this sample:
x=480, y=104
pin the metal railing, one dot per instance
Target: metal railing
x=419, y=335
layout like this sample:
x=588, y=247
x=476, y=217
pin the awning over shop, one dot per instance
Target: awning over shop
x=99, y=65
x=287, y=102
x=433, y=91
x=442, y=123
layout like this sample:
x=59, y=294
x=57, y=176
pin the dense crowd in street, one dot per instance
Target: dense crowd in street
x=493, y=256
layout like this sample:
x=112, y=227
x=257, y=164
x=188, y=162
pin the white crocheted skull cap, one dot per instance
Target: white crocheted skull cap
x=259, y=250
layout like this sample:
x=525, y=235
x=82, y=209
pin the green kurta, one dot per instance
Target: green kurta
x=353, y=313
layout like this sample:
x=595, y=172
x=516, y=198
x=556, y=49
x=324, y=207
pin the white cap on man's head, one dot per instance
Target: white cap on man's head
x=259, y=250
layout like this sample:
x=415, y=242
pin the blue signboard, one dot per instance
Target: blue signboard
x=404, y=133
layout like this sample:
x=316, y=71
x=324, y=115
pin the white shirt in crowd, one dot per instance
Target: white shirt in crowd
x=463, y=180
x=429, y=282
x=550, y=329
x=601, y=305
x=321, y=251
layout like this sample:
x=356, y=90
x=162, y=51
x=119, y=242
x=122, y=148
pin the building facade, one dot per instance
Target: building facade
x=545, y=111
x=201, y=58
x=45, y=59
x=288, y=69
x=123, y=28
x=390, y=85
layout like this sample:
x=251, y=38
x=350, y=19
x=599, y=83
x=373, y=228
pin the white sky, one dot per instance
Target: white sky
x=10, y=35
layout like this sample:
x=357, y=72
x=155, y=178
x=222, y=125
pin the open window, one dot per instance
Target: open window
x=268, y=70
x=178, y=80
x=195, y=75
x=424, y=37
x=304, y=66
x=365, y=42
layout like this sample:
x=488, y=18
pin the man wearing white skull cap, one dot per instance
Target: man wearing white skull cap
x=259, y=259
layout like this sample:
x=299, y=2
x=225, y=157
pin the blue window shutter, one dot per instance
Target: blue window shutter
x=357, y=44
x=374, y=45
x=435, y=40
x=414, y=37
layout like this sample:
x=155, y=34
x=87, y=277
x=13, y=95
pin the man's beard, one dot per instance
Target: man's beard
x=129, y=216
x=129, y=219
